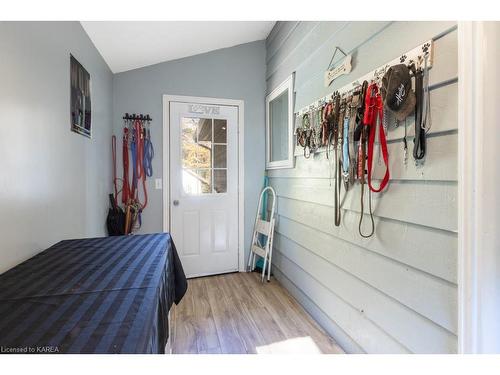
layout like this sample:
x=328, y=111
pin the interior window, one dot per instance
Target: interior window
x=279, y=126
x=278, y=112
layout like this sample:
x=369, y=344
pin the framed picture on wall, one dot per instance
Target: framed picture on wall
x=80, y=99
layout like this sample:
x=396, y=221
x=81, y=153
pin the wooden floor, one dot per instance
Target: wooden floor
x=236, y=313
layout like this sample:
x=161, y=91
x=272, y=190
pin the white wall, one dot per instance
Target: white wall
x=53, y=182
x=397, y=291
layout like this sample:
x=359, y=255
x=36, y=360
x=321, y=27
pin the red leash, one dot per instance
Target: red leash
x=134, y=135
x=140, y=173
x=126, y=186
x=374, y=109
x=113, y=150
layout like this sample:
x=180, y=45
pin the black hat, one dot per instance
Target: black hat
x=396, y=91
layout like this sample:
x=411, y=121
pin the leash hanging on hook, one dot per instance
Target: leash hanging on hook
x=420, y=142
x=149, y=151
x=364, y=134
x=355, y=137
x=137, y=155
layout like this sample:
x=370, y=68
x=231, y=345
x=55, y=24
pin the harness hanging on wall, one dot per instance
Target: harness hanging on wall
x=137, y=155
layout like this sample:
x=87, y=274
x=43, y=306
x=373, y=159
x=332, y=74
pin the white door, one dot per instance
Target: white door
x=204, y=186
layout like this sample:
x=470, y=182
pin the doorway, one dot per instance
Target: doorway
x=203, y=194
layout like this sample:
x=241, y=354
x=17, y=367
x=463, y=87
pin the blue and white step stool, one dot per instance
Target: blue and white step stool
x=263, y=234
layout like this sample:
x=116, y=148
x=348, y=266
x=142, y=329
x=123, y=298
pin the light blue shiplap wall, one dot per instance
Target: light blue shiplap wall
x=397, y=291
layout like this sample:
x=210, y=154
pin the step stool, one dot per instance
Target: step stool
x=263, y=234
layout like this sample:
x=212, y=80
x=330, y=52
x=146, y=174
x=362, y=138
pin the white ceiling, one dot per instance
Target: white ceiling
x=128, y=45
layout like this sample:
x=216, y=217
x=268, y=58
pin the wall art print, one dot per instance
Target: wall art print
x=80, y=99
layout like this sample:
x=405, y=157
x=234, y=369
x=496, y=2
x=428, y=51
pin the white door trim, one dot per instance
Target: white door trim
x=466, y=153
x=479, y=176
x=167, y=99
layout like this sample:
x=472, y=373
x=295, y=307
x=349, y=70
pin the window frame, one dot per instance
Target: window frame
x=289, y=161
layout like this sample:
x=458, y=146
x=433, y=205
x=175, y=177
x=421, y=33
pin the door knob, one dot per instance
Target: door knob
x=175, y=202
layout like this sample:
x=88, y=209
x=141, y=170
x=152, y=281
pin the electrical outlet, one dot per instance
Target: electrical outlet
x=158, y=184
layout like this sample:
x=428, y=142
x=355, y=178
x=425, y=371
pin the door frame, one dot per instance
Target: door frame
x=477, y=134
x=240, y=104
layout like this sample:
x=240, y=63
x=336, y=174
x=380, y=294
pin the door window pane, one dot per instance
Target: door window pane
x=220, y=156
x=220, y=180
x=205, y=129
x=189, y=129
x=188, y=137
x=220, y=131
x=195, y=155
x=196, y=181
x=204, y=155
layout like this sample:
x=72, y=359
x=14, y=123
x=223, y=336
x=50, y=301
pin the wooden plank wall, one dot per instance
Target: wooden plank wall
x=397, y=291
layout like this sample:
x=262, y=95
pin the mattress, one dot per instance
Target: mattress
x=97, y=295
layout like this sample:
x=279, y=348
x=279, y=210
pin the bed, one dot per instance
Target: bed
x=97, y=295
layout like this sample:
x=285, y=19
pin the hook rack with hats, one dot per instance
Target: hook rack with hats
x=351, y=124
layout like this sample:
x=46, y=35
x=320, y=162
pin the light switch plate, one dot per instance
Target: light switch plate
x=158, y=183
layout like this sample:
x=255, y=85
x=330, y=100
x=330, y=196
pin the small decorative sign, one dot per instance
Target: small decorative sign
x=204, y=109
x=344, y=68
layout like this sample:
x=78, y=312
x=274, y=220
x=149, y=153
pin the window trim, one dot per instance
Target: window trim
x=289, y=162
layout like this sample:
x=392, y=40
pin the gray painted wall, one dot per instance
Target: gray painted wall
x=397, y=291
x=53, y=182
x=232, y=73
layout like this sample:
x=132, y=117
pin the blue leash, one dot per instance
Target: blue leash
x=134, y=161
x=345, y=147
x=149, y=154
